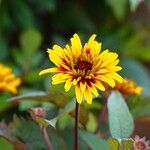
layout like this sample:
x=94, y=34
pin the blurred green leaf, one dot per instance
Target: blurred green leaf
x=3, y=48
x=126, y=144
x=64, y=121
x=120, y=120
x=120, y=144
x=72, y=18
x=94, y=142
x=4, y=17
x=42, y=5
x=30, y=41
x=44, y=122
x=29, y=132
x=25, y=105
x=137, y=46
x=92, y=122
x=6, y=134
x=136, y=71
x=17, y=54
x=4, y=145
x=113, y=144
x=32, y=76
x=58, y=99
x=3, y=101
x=119, y=7
x=22, y=13
x=139, y=106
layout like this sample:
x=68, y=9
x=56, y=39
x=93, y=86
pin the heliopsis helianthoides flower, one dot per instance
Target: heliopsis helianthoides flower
x=8, y=81
x=85, y=67
x=141, y=143
x=128, y=87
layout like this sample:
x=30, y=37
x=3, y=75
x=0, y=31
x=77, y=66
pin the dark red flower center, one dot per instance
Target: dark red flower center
x=83, y=65
x=140, y=145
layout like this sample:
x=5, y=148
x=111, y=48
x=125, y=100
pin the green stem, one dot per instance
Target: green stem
x=76, y=143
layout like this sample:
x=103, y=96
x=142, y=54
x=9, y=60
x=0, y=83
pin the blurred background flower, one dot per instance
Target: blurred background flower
x=8, y=81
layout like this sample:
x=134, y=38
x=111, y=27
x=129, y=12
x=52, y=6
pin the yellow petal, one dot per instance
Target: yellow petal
x=45, y=71
x=116, y=76
x=102, y=71
x=59, y=78
x=68, y=85
x=103, y=54
x=58, y=50
x=54, y=57
x=99, y=85
x=88, y=96
x=79, y=94
x=108, y=80
x=76, y=45
x=94, y=90
x=115, y=68
x=82, y=86
x=93, y=46
x=91, y=39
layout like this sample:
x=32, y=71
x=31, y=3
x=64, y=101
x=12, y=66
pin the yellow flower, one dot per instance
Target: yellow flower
x=8, y=81
x=84, y=67
x=128, y=87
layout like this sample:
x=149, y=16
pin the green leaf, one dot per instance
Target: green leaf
x=25, y=105
x=120, y=144
x=92, y=122
x=3, y=103
x=126, y=144
x=119, y=7
x=44, y=122
x=30, y=41
x=120, y=120
x=113, y=144
x=58, y=99
x=3, y=48
x=4, y=145
x=139, y=106
x=29, y=132
x=94, y=142
x=134, y=4
x=137, y=47
x=43, y=5
x=32, y=76
x=22, y=13
x=136, y=71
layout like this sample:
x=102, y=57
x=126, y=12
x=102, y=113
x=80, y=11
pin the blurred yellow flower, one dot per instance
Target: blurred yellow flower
x=128, y=87
x=8, y=81
x=84, y=67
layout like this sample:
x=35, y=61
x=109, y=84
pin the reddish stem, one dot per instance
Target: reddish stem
x=76, y=143
x=45, y=137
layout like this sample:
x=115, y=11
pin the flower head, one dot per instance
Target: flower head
x=141, y=143
x=128, y=87
x=8, y=81
x=85, y=67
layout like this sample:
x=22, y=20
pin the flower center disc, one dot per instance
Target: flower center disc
x=83, y=65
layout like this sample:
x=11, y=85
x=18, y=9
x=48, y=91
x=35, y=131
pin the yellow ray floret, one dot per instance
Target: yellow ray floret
x=84, y=66
x=8, y=81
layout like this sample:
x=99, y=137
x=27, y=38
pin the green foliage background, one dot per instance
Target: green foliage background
x=29, y=27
